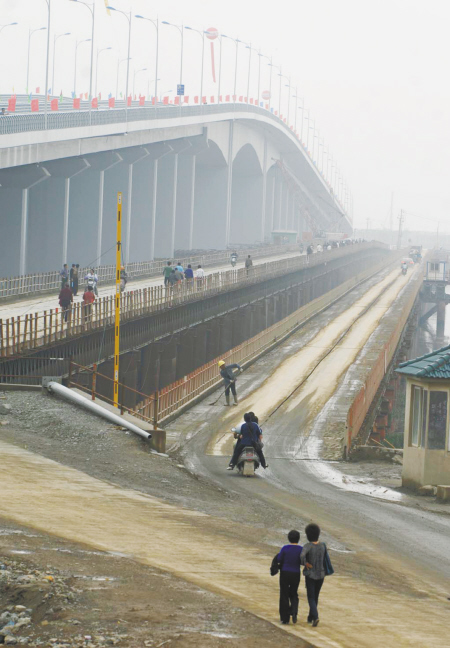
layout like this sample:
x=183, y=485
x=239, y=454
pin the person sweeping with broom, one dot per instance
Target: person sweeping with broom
x=229, y=380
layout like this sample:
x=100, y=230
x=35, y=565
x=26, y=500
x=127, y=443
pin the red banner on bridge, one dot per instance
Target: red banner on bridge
x=12, y=104
x=35, y=105
x=142, y=101
x=54, y=105
x=111, y=102
x=76, y=103
x=94, y=102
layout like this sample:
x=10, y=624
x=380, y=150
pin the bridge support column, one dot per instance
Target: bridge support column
x=186, y=360
x=66, y=169
x=229, y=183
x=33, y=177
x=440, y=320
x=101, y=193
x=168, y=364
x=264, y=194
x=192, y=203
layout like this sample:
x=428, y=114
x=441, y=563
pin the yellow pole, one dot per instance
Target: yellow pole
x=117, y=310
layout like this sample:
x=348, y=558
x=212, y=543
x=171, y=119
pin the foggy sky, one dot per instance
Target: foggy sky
x=374, y=75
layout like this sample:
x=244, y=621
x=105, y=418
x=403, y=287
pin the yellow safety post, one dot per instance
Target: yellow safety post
x=117, y=310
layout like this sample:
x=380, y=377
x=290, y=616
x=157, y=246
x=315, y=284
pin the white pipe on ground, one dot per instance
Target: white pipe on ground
x=65, y=392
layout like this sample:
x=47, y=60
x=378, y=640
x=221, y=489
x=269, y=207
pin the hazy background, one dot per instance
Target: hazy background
x=374, y=75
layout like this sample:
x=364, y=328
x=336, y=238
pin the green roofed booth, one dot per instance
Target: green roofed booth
x=426, y=454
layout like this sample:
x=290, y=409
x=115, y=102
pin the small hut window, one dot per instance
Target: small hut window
x=416, y=415
x=424, y=417
x=437, y=422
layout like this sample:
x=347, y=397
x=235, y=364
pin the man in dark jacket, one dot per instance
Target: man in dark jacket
x=248, y=436
x=229, y=379
x=65, y=300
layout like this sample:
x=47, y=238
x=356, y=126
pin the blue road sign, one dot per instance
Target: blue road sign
x=180, y=89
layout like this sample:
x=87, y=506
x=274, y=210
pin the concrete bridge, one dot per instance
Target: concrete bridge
x=192, y=178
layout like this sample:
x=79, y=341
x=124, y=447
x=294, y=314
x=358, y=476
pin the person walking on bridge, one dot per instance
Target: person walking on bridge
x=248, y=263
x=229, y=379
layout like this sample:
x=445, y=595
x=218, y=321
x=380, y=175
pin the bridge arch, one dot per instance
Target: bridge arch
x=246, y=197
x=210, y=201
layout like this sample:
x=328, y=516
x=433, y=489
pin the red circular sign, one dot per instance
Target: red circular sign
x=212, y=33
x=266, y=94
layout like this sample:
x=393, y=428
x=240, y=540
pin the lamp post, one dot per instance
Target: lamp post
x=30, y=34
x=91, y=8
x=47, y=59
x=85, y=40
x=99, y=51
x=155, y=24
x=288, y=85
x=55, y=38
x=250, y=49
x=279, y=91
x=134, y=76
x=202, y=34
x=236, y=41
x=119, y=61
x=2, y=27
x=128, y=17
x=180, y=29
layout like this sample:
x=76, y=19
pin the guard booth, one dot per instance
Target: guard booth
x=426, y=450
x=284, y=237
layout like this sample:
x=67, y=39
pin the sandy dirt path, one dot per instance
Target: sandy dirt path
x=316, y=389
x=209, y=552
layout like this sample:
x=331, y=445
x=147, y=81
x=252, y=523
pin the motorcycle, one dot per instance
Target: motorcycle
x=404, y=270
x=233, y=261
x=248, y=462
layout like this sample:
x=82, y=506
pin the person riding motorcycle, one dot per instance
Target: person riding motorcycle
x=248, y=437
x=92, y=280
x=404, y=267
x=233, y=257
x=123, y=278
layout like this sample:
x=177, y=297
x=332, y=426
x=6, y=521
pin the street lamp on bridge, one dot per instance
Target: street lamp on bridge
x=30, y=34
x=55, y=38
x=155, y=24
x=236, y=41
x=99, y=51
x=91, y=8
x=202, y=35
x=119, y=61
x=85, y=40
x=128, y=17
x=134, y=76
x=180, y=29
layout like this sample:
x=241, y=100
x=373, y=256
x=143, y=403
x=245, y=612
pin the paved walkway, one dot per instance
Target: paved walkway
x=48, y=301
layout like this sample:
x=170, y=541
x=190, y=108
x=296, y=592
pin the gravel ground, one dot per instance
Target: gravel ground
x=56, y=593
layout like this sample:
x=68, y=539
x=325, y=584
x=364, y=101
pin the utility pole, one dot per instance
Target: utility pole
x=400, y=223
x=117, y=304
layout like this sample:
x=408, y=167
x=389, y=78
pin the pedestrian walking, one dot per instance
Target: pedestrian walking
x=65, y=300
x=315, y=558
x=74, y=278
x=200, y=276
x=64, y=274
x=248, y=263
x=179, y=267
x=88, y=300
x=167, y=271
x=289, y=564
x=229, y=379
x=189, y=276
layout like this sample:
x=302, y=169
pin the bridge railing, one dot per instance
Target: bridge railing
x=35, y=330
x=40, y=282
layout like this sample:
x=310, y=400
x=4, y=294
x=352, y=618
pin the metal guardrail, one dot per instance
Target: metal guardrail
x=85, y=378
x=35, y=330
x=46, y=281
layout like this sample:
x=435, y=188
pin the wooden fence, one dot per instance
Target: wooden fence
x=33, y=330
